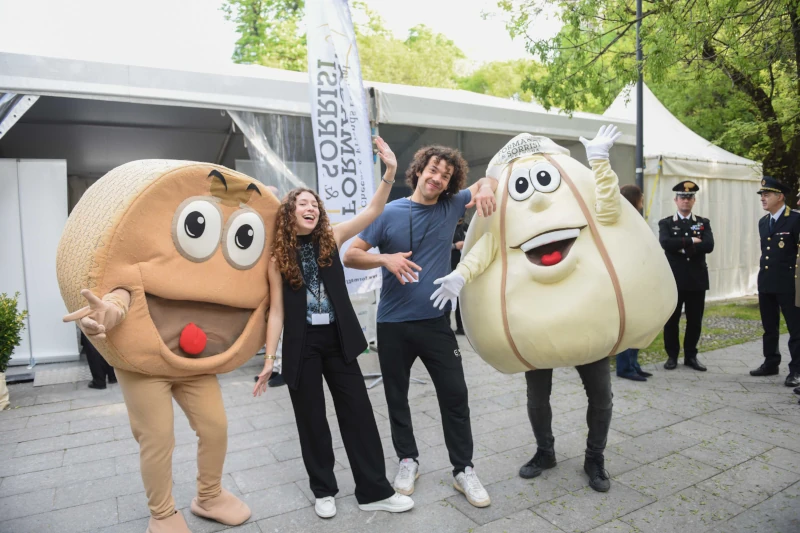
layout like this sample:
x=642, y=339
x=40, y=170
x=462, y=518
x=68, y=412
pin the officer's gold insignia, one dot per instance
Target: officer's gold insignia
x=781, y=244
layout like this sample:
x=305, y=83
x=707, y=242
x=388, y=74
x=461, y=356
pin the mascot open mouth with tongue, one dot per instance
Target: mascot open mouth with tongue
x=565, y=276
x=171, y=258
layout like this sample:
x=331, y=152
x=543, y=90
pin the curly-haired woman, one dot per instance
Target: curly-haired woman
x=322, y=337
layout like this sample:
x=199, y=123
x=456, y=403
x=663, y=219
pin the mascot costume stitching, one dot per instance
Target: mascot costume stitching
x=171, y=257
x=565, y=276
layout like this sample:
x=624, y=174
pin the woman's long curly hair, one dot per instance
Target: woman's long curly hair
x=285, y=246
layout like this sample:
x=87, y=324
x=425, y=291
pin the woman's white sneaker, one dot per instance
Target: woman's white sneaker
x=406, y=476
x=396, y=503
x=469, y=485
x=325, y=507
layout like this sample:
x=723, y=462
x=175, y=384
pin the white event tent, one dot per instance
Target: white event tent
x=727, y=197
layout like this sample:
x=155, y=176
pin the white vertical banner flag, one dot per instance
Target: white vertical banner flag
x=340, y=121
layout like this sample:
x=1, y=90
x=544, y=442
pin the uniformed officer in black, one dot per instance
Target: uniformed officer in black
x=686, y=239
x=779, y=231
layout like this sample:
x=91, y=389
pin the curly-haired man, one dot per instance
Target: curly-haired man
x=414, y=235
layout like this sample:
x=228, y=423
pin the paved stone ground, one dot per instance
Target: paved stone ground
x=687, y=452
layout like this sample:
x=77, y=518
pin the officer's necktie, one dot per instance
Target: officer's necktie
x=771, y=224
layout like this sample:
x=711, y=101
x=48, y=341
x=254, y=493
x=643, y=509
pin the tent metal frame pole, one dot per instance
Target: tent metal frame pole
x=639, y=102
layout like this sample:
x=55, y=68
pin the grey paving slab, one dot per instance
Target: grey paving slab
x=615, y=526
x=653, y=446
x=63, y=442
x=749, y=483
x=40, y=501
x=97, y=489
x=667, y=475
x=75, y=519
x=35, y=433
x=758, y=427
x=275, y=500
x=586, y=509
x=86, y=454
x=508, y=497
x=524, y=521
x=727, y=450
x=56, y=477
x=691, y=510
x=269, y=476
x=31, y=463
x=644, y=421
x=777, y=514
x=781, y=458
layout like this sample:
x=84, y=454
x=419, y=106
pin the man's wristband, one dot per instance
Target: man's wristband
x=389, y=182
x=268, y=357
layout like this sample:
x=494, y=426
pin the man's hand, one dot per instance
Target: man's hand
x=696, y=240
x=459, y=245
x=451, y=286
x=484, y=200
x=598, y=147
x=100, y=316
x=403, y=269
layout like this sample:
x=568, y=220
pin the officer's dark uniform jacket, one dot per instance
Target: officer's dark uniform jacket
x=778, y=253
x=687, y=259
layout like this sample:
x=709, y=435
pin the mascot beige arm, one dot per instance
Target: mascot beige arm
x=484, y=251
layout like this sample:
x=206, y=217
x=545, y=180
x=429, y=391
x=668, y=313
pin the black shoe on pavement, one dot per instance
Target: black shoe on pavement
x=694, y=363
x=540, y=461
x=797, y=390
x=276, y=380
x=460, y=332
x=764, y=371
x=598, y=476
x=643, y=373
x=93, y=385
x=633, y=377
x=671, y=364
x=792, y=380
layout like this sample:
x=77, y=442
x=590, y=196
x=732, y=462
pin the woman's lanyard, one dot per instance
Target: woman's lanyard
x=411, y=230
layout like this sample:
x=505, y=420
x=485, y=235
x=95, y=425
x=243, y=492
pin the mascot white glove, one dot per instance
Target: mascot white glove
x=598, y=147
x=451, y=286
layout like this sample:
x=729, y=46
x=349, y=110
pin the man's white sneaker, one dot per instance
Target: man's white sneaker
x=406, y=476
x=325, y=507
x=396, y=503
x=469, y=485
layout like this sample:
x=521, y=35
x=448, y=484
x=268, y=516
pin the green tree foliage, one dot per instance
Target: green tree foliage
x=273, y=35
x=272, y=32
x=753, y=46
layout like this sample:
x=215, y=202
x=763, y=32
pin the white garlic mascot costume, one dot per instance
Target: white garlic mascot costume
x=567, y=272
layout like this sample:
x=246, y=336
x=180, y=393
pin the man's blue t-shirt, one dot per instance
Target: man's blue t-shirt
x=432, y=228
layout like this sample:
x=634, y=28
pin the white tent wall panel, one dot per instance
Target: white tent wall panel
x=12, y=271
x=733, y=208
x=43, y=209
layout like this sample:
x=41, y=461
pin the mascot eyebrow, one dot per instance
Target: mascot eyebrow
x=234, y=195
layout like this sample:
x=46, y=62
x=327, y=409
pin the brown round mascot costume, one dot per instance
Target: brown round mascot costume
x=164, y=266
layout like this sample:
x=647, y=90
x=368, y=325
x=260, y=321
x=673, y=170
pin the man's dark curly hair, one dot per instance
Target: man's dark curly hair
x=439, y=153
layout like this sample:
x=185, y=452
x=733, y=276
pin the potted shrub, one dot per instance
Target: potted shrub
x=12, y=322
